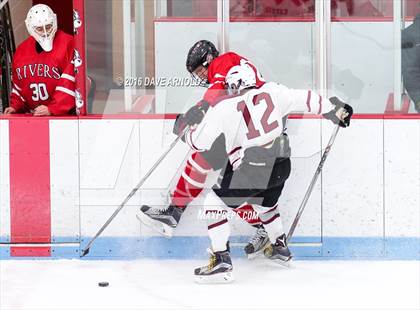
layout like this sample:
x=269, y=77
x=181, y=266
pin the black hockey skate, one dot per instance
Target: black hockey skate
x=219, y=269
x=279, y=252
x=163, y=221
x=257, y=243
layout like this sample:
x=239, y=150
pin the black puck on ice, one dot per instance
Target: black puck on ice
x=103, y=284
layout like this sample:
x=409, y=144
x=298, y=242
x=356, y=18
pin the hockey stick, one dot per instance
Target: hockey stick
x=7, y=50
x=311, y=186
x=3, y=3
x=135, y=189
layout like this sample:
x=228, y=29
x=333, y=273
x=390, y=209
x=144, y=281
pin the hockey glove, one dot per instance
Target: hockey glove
x=341, y=114
x=196, y=114
x=179, y=125
x=193, y=117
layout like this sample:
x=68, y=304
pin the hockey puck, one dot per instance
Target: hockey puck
x=103, y=284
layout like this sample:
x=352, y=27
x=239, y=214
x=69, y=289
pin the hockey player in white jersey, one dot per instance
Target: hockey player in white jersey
x=251, y=121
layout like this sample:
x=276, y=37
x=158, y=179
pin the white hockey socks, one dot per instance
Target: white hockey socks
x=217, y=223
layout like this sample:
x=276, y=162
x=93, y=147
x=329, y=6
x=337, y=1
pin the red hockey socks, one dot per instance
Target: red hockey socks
x=192, y=180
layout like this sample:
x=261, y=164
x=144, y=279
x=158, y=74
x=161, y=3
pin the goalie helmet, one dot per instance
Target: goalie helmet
x=240, y=77
x=41, y=23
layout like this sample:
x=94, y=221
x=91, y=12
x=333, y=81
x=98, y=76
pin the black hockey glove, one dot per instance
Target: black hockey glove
x=332, y=115
x=193, y=117
x=179, y=125
x=196, y=113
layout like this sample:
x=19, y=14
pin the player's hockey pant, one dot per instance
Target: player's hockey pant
x=260, y=185
x=192, y=179
x=245, y=186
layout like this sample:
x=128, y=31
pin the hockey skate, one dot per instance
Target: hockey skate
x=257, y=243
x=219, y=269
x=162, y=221
x=279, y=252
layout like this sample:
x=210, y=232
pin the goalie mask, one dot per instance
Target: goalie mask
x=41, y=23
x=199, y=58
x=240, y=77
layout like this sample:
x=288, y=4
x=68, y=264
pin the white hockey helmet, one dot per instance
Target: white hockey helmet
x=41, y=23
x=240, y=77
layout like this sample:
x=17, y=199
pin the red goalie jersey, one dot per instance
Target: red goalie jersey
x=217, y=71
x=44, y=78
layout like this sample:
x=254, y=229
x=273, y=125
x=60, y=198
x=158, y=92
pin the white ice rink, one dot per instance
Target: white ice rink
x=168, y=284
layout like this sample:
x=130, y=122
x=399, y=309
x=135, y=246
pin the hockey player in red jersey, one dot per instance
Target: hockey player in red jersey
x=251, y=123
x=208, y=68
x=42, y=70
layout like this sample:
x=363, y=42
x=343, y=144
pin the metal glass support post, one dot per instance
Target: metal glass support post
x=226, y=22
x=139, y=50
x=161, y=8
x=127, y=53
x=223, y=16
x=397, y=23
x=322, y=36
x=323, y=75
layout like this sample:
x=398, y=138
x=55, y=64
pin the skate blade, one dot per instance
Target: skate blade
x=219, y=278
x=255, y=255
x=159, y=227
x=282, y=263
x=258, y=254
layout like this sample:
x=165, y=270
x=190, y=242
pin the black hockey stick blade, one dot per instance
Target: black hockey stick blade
x=85, y=252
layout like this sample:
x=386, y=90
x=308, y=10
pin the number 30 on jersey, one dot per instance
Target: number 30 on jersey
x=39, y=91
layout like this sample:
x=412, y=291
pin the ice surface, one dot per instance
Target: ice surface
x=168, y=284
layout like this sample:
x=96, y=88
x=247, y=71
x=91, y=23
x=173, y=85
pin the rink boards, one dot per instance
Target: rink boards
x=61, y=179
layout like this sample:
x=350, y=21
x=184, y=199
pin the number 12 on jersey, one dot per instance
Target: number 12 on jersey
x=257, y=100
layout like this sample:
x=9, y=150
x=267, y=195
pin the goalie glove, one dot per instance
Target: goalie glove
x=192, y=117
x=341, y=114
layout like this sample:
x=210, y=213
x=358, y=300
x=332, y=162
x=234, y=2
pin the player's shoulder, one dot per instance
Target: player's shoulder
x=63, y=38
x=25, y=46
x=272, y=86
x=229, y=57
x=222, y=64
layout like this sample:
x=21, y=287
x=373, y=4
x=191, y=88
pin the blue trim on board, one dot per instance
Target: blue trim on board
x=308, y=248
